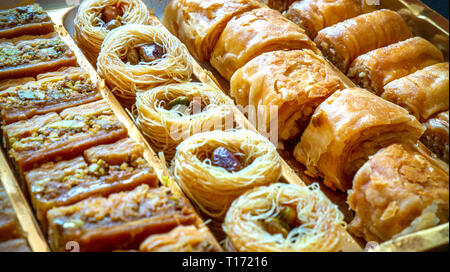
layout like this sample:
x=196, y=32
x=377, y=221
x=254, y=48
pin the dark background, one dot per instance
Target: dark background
x=440, y=6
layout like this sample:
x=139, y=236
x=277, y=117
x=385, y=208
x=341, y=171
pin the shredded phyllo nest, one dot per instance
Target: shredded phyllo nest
x=318, y=221
x=28, y=53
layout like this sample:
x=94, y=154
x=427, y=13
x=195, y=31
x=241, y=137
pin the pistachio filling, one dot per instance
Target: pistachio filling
x=282, y=223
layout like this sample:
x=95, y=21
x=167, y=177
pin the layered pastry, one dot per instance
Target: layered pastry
x=398, y=191
x=280, y=5
x=346, y=129
x=24, y=20
x=103, y=170
x=31, y=55
x=436, y=136
x=293, y=83
x=169, y=114
x=9, y=225
x=181, y=239
x=379, y=67
x=423, y=93
x=252, y=33
x=313, y=15
x=52, y=136
x=15, y=245
x=214, y=168
x=284, y=218
x=198, y=24
x=345, y=41
x=54, y=92
x=119, y=222
x=138, y=57
x=96, y=18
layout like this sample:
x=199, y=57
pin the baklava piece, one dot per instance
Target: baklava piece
x=436, y=136
x=120, y=222
x=31, y=55
x=50, y=137
x=103, y=170
x=9, y=225
x=63, y=89
x=24, y=20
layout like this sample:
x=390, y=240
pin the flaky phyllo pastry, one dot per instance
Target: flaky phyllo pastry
x=314, y=15
x=399, y=190
x=199, y=23
x=346, y=129
x=284, y=217
x=96, y=18
x=288, y=85
x=255, y=32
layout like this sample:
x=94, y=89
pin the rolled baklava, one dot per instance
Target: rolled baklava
x=181, y=239
x=436, y=136
x=119, y=222
x=24, y=20
x=95, y=18
x=31, y=55
x=169, y=114
x=293, y=82
x=282, y=218
x=314, y=15
x=56, y=91
x=346, y=129
x=103, y=170
x=398, y=191
x=199, y=23
x=44, y=138
x=214, y=168
x=138, y=57
x=345, y=41
x=423, y=93
x=379, y=67
x=252, y=33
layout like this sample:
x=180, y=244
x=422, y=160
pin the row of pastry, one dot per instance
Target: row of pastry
x=87, y=181
x=378, y=52
x=231, y=174
x=347, y=136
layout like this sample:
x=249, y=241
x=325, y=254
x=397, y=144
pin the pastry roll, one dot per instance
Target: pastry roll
x=214, y=168
x=181, y=239
x=398, y=191
x=169, y=114
x=95, y=18
x=423, y=93
x=346, y=129
x=282, y=218
x=119, y=222
x=137, y=57
x=314, y=15
x=253, y=33
x=199, y=23
x=103, y=170
x=63, y=89
x=24, y=20
x=345, y=41
x=436, y=136
x=44, y=138
x=26, y=56
x=377, y=68
x=295, y=82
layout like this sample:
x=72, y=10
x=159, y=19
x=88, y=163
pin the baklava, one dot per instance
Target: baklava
x=436, y=136
x=24, y=20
